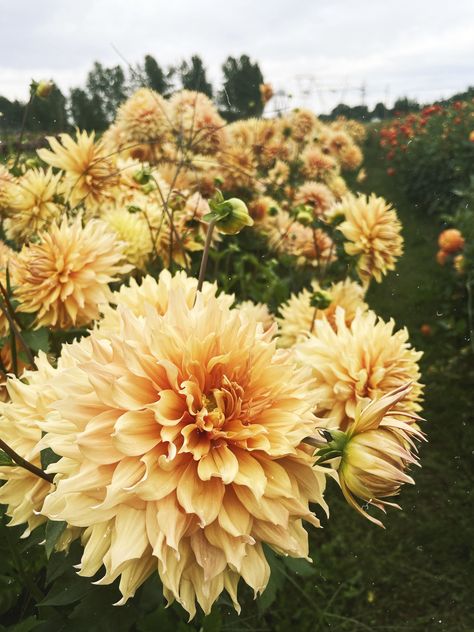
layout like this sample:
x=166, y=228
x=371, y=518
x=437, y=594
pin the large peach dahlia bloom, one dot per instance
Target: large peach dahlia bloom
x=181, y=442
x=363, y=359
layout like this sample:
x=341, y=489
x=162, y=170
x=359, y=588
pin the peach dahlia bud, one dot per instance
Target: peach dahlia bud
x=44, y=88
x=451, y=240
x=376, y=451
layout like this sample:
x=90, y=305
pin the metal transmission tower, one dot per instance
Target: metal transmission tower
x=280, y=103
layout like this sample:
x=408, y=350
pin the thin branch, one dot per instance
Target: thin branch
x=6, y=310
x=19, y=460
x=205, y=255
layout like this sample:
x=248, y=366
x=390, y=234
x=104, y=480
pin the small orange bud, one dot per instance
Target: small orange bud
x=426, y=330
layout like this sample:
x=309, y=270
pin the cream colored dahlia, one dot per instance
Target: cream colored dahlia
x=379, y=447
x=33, y=204
x=309, y=246
x=257, y=312
x=153, y=294
x=143, y=125
x=133, y=231
x=373, y=233
x=24, y=492
x=363, y=359
x=302, y=124
x=317, y=165
x=316, y=195
x=181, y=444
x=298, y=317
x=89, y=171
x=6, y=182
x=63, y=278
x=196, y=122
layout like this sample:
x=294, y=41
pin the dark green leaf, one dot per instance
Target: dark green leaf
x=54, y=530
x=5, y=459
x=37, y=340
x=48, y=457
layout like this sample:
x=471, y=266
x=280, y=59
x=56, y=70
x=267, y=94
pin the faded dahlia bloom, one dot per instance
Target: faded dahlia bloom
x=63, y=278
x=302, y=123
x=257, y=312
x=143, y=125
x=451, y=240
x=373, y=232
x=350, y=157
x=132, y=230
x=379, y=446
x=363, y=359
x=196, y=122
x=316, y=195
x=298, y=316
x=317, y=165
x=309, y=246
x=24, y=492
x=181, y=444
x=261, y=207
x=278, y=175
x=32, y=203
x=89, y=172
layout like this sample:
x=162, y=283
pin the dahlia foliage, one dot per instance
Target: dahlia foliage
x=190, y=426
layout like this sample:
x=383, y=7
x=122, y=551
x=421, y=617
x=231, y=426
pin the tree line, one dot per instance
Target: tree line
x=94, y=105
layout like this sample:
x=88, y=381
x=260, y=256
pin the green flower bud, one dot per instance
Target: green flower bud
x=230, y=216
x=44, y=88
x=142, y=176
x=304, y=217
x=321, y=299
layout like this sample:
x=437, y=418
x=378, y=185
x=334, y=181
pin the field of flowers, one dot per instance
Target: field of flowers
x=192, y=365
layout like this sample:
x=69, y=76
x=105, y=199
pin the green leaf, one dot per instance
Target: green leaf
x=5, y=459
x=37, y=340
x=25, y=626
x=67, y=592
x=47, y=457
x=54, y=530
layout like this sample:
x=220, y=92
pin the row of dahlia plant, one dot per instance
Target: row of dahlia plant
x=430, y=154
x=169, y=425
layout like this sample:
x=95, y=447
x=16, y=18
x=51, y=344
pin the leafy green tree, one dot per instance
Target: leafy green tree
x=156, y=78
x=240, y=96
x=193, y=76
x=405, y=105
x=48, y=114
x=108, y=87
x=86, y=112
x=11, y=113
x=380, y=111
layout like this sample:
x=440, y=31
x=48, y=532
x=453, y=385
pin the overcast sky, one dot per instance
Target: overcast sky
x=319, y=51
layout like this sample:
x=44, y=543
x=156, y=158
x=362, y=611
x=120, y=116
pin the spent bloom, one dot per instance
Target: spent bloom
x=63, y=278
x=181, y=443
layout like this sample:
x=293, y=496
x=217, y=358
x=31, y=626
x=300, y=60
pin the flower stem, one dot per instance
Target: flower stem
x=19, y=460
x=205, y=255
